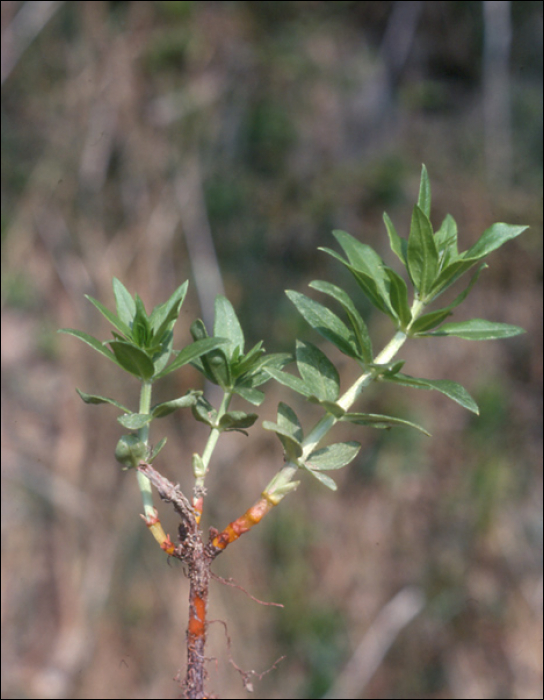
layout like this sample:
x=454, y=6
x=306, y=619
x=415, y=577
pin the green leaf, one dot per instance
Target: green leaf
x=428, y=321
x=424, y=199
x=376, y=420
x=254, y=396
x=289, y=422
x=162, y=355
x=257, y=374
x=204, y=412
x=92, y=398
x=157, y=449
x=191, y=352
x=446, y=241
x=362, y=337
x=317, y=372
x=112, y=318
x=451, y=389
x=333, y=456
x=324, y=322
x=237, y=420
x=164, y=316
x=227, y=325
x=135, y=421
x=478, y=329
x=492, y=238
x=289, y=380
x=132, y=359
x=422, y=253
x=126, y=308
x=333, y=408
x=399, y=298
x=398, y=245
x=324, y=479
x=130, y=451
x=93, y=342
x=160, y=410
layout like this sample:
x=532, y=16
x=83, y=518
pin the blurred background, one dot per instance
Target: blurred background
x=221, y=142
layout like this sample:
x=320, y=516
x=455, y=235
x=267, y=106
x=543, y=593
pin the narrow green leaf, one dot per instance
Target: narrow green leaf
x=362, y=336
x=289, y=380
x=191, y=352
x=398, y=245
x=92, y=398
x=164, y=316
x=333, y=456
x=492, y=238
x=333, y=408
x=158, y=447
x=126, y=308
x=93, y=342
x=451, y=389
x=257, y=373
x=446, y=241
x=228, y=326
x=324, y=322
x=135, y=421
x=141, y=329
x=422, y=252
x=112, y=318
x=376, y=420
x=132, y=359
x=254, y=396
x=289, y=422
x=399, y=298
x=478, y=329
x=317, y=371
x=160, y=410
x=424, y=199
x=324, y=479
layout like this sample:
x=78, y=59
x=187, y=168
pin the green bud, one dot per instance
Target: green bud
x=130, y=451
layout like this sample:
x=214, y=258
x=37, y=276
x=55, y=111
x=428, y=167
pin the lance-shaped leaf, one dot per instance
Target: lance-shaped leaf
x=323, y=478
x=289, y=380
x=236, y=420
x=491, y=239
x=398, y=245
x=93, y=342
x=324, y=322
x=228, y=326
x=93, y=398
x=133, y=359
x=160, y=410
x=399, y=297
x=192, y=352
x=451, y=389
x=446, y=241
x=424, y=198
x=478, y=329
x=164, y=316
x=141, y=328
x=333, y=456
x=422, y=253
x=135, y=421
x=433, y=319
x=377, y=420
x=112, y=318
x=367, y=268
x=157, y=449
x=317, y=372
x=288, y=430
x=253, y=396
x=360, y=331
x=126, y=308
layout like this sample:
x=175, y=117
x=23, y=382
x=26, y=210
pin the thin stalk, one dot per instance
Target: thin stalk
x=143, y=433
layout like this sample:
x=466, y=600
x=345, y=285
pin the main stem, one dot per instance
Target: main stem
x=143, y=434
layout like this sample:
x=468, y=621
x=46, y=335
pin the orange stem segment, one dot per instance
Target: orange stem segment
x=241, y=525
x=154, y=525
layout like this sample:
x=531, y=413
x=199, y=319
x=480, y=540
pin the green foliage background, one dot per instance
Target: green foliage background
x=137, y=139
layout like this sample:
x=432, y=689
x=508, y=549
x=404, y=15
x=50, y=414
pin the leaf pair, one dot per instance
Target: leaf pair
x=226, y=364
x=142, y=343
x=289, y=431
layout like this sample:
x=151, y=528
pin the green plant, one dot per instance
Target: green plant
x=142, y=345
